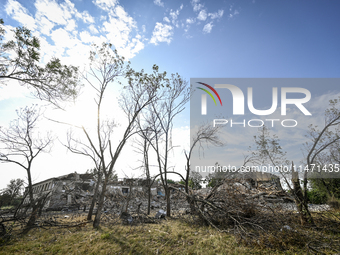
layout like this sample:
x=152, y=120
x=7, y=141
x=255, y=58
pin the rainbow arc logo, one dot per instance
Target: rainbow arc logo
x=209, y=93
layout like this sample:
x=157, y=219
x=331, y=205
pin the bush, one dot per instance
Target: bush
x=316, y=197
x=334, y=203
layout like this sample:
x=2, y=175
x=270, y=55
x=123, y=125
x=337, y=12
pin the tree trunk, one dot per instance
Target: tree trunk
x=128, y=199
x=149, y=196
x=34, y=215
x=301, y=201
x=168, y=205
x=94, y=199
x=32, y=204
x=96, y=221
x=187, y=175
x=30, y=189
x=326, y=186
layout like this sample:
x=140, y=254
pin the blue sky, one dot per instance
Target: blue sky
x=207, y=39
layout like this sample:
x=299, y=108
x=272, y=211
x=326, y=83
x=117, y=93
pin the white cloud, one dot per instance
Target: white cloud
x=132, y=47
x=78, y=55
x=190, y=21
x=71, y=25
x=202, y=15
x=85, y=16
x=105, y=5
x=52, y=11
x=86, y=37
x=231, y=7
x=20, y=14
x=159, y=3
x=216, y=15
x=196, y=6
x=231, y=15
x=161, y=33
x=61, y=14
x=13, y=90
x=65, y=42
x=62, y=38
x=93, y=29
x=122, y=15
x=45, y=26
x=207, y=28
x=174, y=15
x=9, y=35
x=119, y=29
x=68, y=8
x=166, y=19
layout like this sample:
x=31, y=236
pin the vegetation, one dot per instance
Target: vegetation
x=12, y=195
x=195, y=180
x=20, y=61
x=169, y=237
x=316, y=197
x=21, y=144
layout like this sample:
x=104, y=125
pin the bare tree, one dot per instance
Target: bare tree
x=327, y=180
x=146, y=133
x=195, y=180
x=268, y=150
x=143, y=146
x=205, y=135
x=20, y=144
x=322, y=141
x=321, y=144
x=105, y=67
x=174, y=94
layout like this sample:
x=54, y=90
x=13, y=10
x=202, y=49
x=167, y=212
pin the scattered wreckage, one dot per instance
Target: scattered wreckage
x=75, y=192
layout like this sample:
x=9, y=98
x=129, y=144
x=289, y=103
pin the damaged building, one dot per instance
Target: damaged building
x=76, y=190
x=261, y=186
x=64, y=190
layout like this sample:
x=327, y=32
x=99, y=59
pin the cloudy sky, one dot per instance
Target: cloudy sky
x=248, y=38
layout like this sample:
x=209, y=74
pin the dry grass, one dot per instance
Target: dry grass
x=169, y=237
x=173, y=236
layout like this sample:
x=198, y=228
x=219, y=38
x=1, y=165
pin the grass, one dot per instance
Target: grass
x=170, y=237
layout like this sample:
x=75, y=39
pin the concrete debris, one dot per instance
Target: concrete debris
x=286, y=227
x=160, y=214
x=126, y=218
x=261, y=187
x=75, y=192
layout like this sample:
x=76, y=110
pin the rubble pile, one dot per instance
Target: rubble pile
x=259, y=187
x=75, y=192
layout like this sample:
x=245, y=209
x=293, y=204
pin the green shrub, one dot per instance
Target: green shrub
x=334, y=203
x=316, y=197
